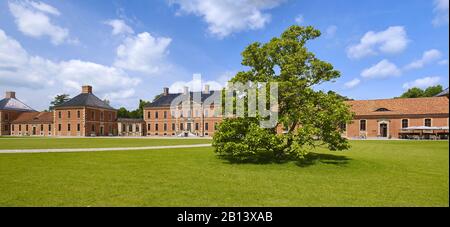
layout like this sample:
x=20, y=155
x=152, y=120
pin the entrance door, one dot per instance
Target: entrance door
x=34, y=131
x=101, y=130
x=383, y=130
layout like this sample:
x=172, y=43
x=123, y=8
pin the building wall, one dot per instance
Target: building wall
x=131, y=128
x=6, y=116
x=394, y=125
x=36, y=129
x=85, y=121
x=176, y=124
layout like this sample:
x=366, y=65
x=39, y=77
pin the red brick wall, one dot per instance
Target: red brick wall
x=38, y=129
x=169, y=120
x=6, y=116
x=394, y=125
x=90, y=121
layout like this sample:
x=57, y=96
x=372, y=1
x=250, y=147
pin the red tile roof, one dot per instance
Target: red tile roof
x=34, y=118
x=412, y=106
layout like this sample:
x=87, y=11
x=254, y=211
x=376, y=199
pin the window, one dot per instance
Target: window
x=137, y=128
x=181, y=126
x=173, y=114
x=78, y=114
x=6, y=128
x=68, y=114
x=156, y=127
x=181, y=113
x=148, y=115
x=93, y=128
x=206, y=113
x=20, y=127
x=49, y=127
x=173, y=126
x=206, y=126
x=362, y=125
x=165, y=114
x=381, y=110
x=59, y=114
x=59, y=127
x=68, y=127
x=78, y=127
x=165, y=126
x=110, y=117
x=93, y=115
x=156, y=114
x=189, y=126
x=130, y=128
x=42, y=127
x=101, y=116
x=428, y=122
x=148, y=127
x=405, y=123
x=12, y=127
x=26, y=127
x=6, y=116
x=196, y=126
x=343, y=127
x=196, y=113
x=215, y=126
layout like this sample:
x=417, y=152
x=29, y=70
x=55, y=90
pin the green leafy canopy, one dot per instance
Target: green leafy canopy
x=310, y=118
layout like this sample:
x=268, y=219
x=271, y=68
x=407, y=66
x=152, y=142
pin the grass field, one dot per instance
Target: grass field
x=48, y=143
x=372, y=173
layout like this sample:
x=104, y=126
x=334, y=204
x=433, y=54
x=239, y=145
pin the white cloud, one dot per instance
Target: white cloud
x=443, y=62
x=24, y=70
x=32, y=19
x=422, y=82
x=229, y=16
x=299, y=19
x=45, y=8
x=119, y=27
x=441, y=12
x=197, y=84
x=143, y=53
x=427, y=57
x=331, y=31
x=392, y=40
x=352, y=83
x=382, y=69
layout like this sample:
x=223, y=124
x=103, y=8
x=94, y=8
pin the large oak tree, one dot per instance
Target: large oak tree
x=310, y=118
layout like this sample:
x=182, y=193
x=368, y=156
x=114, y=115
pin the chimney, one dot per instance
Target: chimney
x=86, y=89
x=206, y=91
x=186, y=90
x=166, y=91
x=10, y=94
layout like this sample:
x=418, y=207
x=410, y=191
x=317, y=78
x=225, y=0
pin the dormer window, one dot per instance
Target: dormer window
x=381, y=110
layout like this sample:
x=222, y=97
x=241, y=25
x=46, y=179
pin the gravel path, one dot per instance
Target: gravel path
x=101, y=149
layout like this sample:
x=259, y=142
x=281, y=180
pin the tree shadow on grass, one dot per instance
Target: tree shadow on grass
x=314, y=158
x=309, y=160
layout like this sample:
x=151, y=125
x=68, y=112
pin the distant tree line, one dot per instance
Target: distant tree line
x=137, y=113
x=419, y=93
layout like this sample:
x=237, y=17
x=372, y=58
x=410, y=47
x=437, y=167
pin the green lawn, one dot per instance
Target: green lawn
x=372, y=173
x=48, y=143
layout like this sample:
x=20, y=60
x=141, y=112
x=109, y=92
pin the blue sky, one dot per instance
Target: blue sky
x=131, y=49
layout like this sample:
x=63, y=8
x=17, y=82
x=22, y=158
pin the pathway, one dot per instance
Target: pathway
x=101, y=149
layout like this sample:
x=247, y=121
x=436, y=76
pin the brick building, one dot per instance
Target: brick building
x=391, y=118
x=199, y=119
x=85, y=115
x=33, y=124
x=10, y=109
